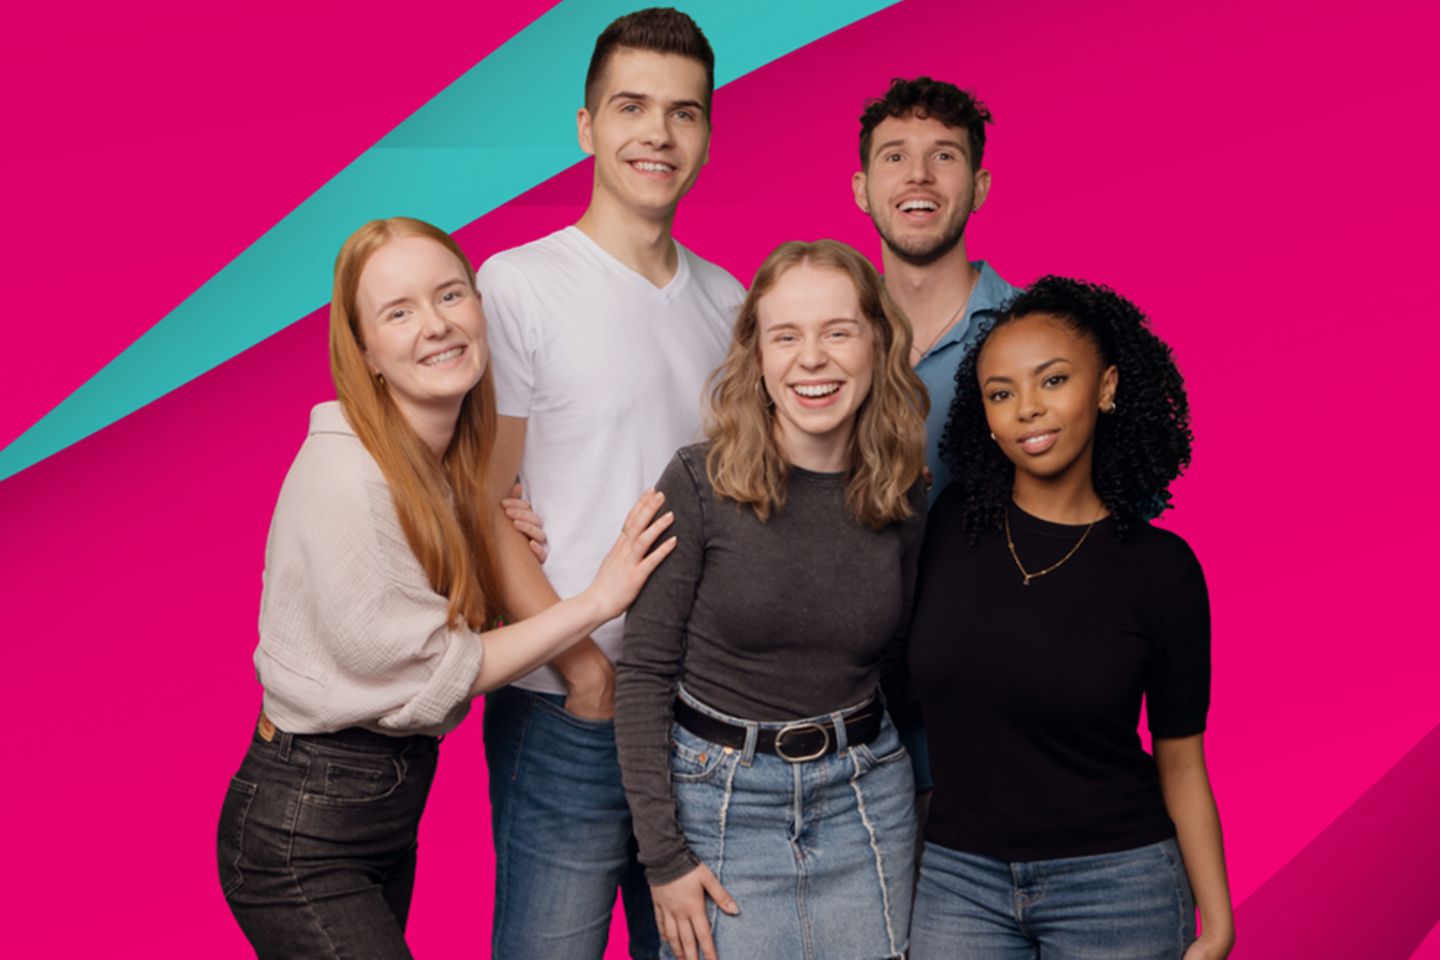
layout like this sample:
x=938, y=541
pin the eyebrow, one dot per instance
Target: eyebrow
x=1039, y=369
x=789, y=325
x=399, y=300
x=955, y=144
x=673, y=104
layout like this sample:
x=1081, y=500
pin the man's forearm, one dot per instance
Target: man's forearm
x=523, y=584
x=527, y=591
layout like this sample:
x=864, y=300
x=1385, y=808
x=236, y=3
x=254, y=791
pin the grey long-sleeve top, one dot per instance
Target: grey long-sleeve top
x=778, y=620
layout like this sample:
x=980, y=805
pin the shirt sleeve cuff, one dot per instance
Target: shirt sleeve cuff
x=448, y=686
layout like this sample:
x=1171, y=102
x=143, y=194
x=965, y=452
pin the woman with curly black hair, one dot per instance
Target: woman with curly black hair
x=1047, y=608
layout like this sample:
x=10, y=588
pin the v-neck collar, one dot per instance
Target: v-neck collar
x=666, y=293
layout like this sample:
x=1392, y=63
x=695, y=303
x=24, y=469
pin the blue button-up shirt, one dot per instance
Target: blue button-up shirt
x=937, y=368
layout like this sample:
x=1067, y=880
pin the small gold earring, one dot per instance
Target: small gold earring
x=992, y=437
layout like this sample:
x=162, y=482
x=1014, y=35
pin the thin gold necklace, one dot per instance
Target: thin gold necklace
x=1010, y=542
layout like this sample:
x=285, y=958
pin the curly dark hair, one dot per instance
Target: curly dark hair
x=1140, y=448
x=924, y=97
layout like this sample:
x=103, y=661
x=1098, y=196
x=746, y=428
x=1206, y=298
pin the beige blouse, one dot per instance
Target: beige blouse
x=351, y=633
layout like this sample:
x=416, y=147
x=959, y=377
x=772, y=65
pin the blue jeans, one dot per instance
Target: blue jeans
x=1131, y=905
x=317, y=842
x=563, y=842
x=820, y=855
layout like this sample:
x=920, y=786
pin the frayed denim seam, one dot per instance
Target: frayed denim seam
x=875, y=849
x=714, y=909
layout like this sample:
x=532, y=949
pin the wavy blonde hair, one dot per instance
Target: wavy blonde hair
x=452, y=542
x=887, y=446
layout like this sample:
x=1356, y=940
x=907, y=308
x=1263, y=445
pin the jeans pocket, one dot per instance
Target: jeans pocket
x=885, y=748
x=693, y=759
x=358, y=780
x=585, y=723
x=231, y=834
x=344, y=781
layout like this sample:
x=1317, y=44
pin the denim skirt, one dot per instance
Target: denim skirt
x=819, y=855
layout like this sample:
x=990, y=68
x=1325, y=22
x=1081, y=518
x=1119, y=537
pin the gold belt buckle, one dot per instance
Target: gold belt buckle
x=267, y=729
x=796, y=728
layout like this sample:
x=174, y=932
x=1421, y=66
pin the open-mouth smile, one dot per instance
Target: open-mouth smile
x=653, y=167
x=819, y=393
x=444, y=356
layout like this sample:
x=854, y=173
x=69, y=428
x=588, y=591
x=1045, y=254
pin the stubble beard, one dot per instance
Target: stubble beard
x=925, y=255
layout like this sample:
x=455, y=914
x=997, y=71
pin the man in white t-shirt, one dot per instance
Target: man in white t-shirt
x=602, y=336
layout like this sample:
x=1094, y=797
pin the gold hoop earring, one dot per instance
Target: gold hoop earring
x=1108, y=409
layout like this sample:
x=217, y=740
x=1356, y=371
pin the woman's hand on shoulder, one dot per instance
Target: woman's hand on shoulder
x=680, y=912
x=631, y=560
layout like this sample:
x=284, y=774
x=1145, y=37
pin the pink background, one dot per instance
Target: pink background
x=1251, y=174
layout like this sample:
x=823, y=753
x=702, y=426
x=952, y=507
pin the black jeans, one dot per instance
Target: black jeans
x=317, y=842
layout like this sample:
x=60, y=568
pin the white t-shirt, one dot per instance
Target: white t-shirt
x=608, y=370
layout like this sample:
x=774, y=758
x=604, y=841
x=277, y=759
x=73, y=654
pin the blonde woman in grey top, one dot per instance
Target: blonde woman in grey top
x=378, y=594
x=773, y=801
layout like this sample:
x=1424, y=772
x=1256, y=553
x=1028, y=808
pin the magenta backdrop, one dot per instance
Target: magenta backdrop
x=1251, y=174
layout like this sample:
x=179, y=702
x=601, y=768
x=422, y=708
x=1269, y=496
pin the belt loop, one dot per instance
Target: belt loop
x=842, y=742
x=752, y=736
x=285, y=739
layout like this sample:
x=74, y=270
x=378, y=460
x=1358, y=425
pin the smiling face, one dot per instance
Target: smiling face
x=817, y=358
x=649, y=130
x=1044, y=385
x=919, y=188
x=421, y=325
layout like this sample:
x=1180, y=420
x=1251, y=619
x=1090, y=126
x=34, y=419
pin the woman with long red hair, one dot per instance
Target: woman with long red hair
x=379, y=598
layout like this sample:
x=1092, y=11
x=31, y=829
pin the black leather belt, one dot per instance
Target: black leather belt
x=796, y=742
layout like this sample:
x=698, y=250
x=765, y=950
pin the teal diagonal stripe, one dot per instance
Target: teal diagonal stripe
x=503, y=127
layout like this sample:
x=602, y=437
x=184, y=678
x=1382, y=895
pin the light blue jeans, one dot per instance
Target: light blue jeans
x=1131, y=905
x=820, y=855
x=563, y=843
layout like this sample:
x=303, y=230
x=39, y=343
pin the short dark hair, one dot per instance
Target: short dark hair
x=924, y=97
x=658, y=29
x=1140, y=447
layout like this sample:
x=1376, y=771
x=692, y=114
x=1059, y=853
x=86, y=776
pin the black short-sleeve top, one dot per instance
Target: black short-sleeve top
x=1032, y=694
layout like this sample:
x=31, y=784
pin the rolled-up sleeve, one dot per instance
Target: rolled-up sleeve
x=351, y=633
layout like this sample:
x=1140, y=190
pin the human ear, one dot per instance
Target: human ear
x=982, y=190
x=857, y=184
x=1109, y=381
x=582, y=131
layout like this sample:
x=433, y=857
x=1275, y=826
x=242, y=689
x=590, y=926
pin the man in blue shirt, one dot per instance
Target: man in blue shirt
x=920, y=178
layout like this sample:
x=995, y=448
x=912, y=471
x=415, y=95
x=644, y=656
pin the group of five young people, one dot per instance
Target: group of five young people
x=738, y=776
